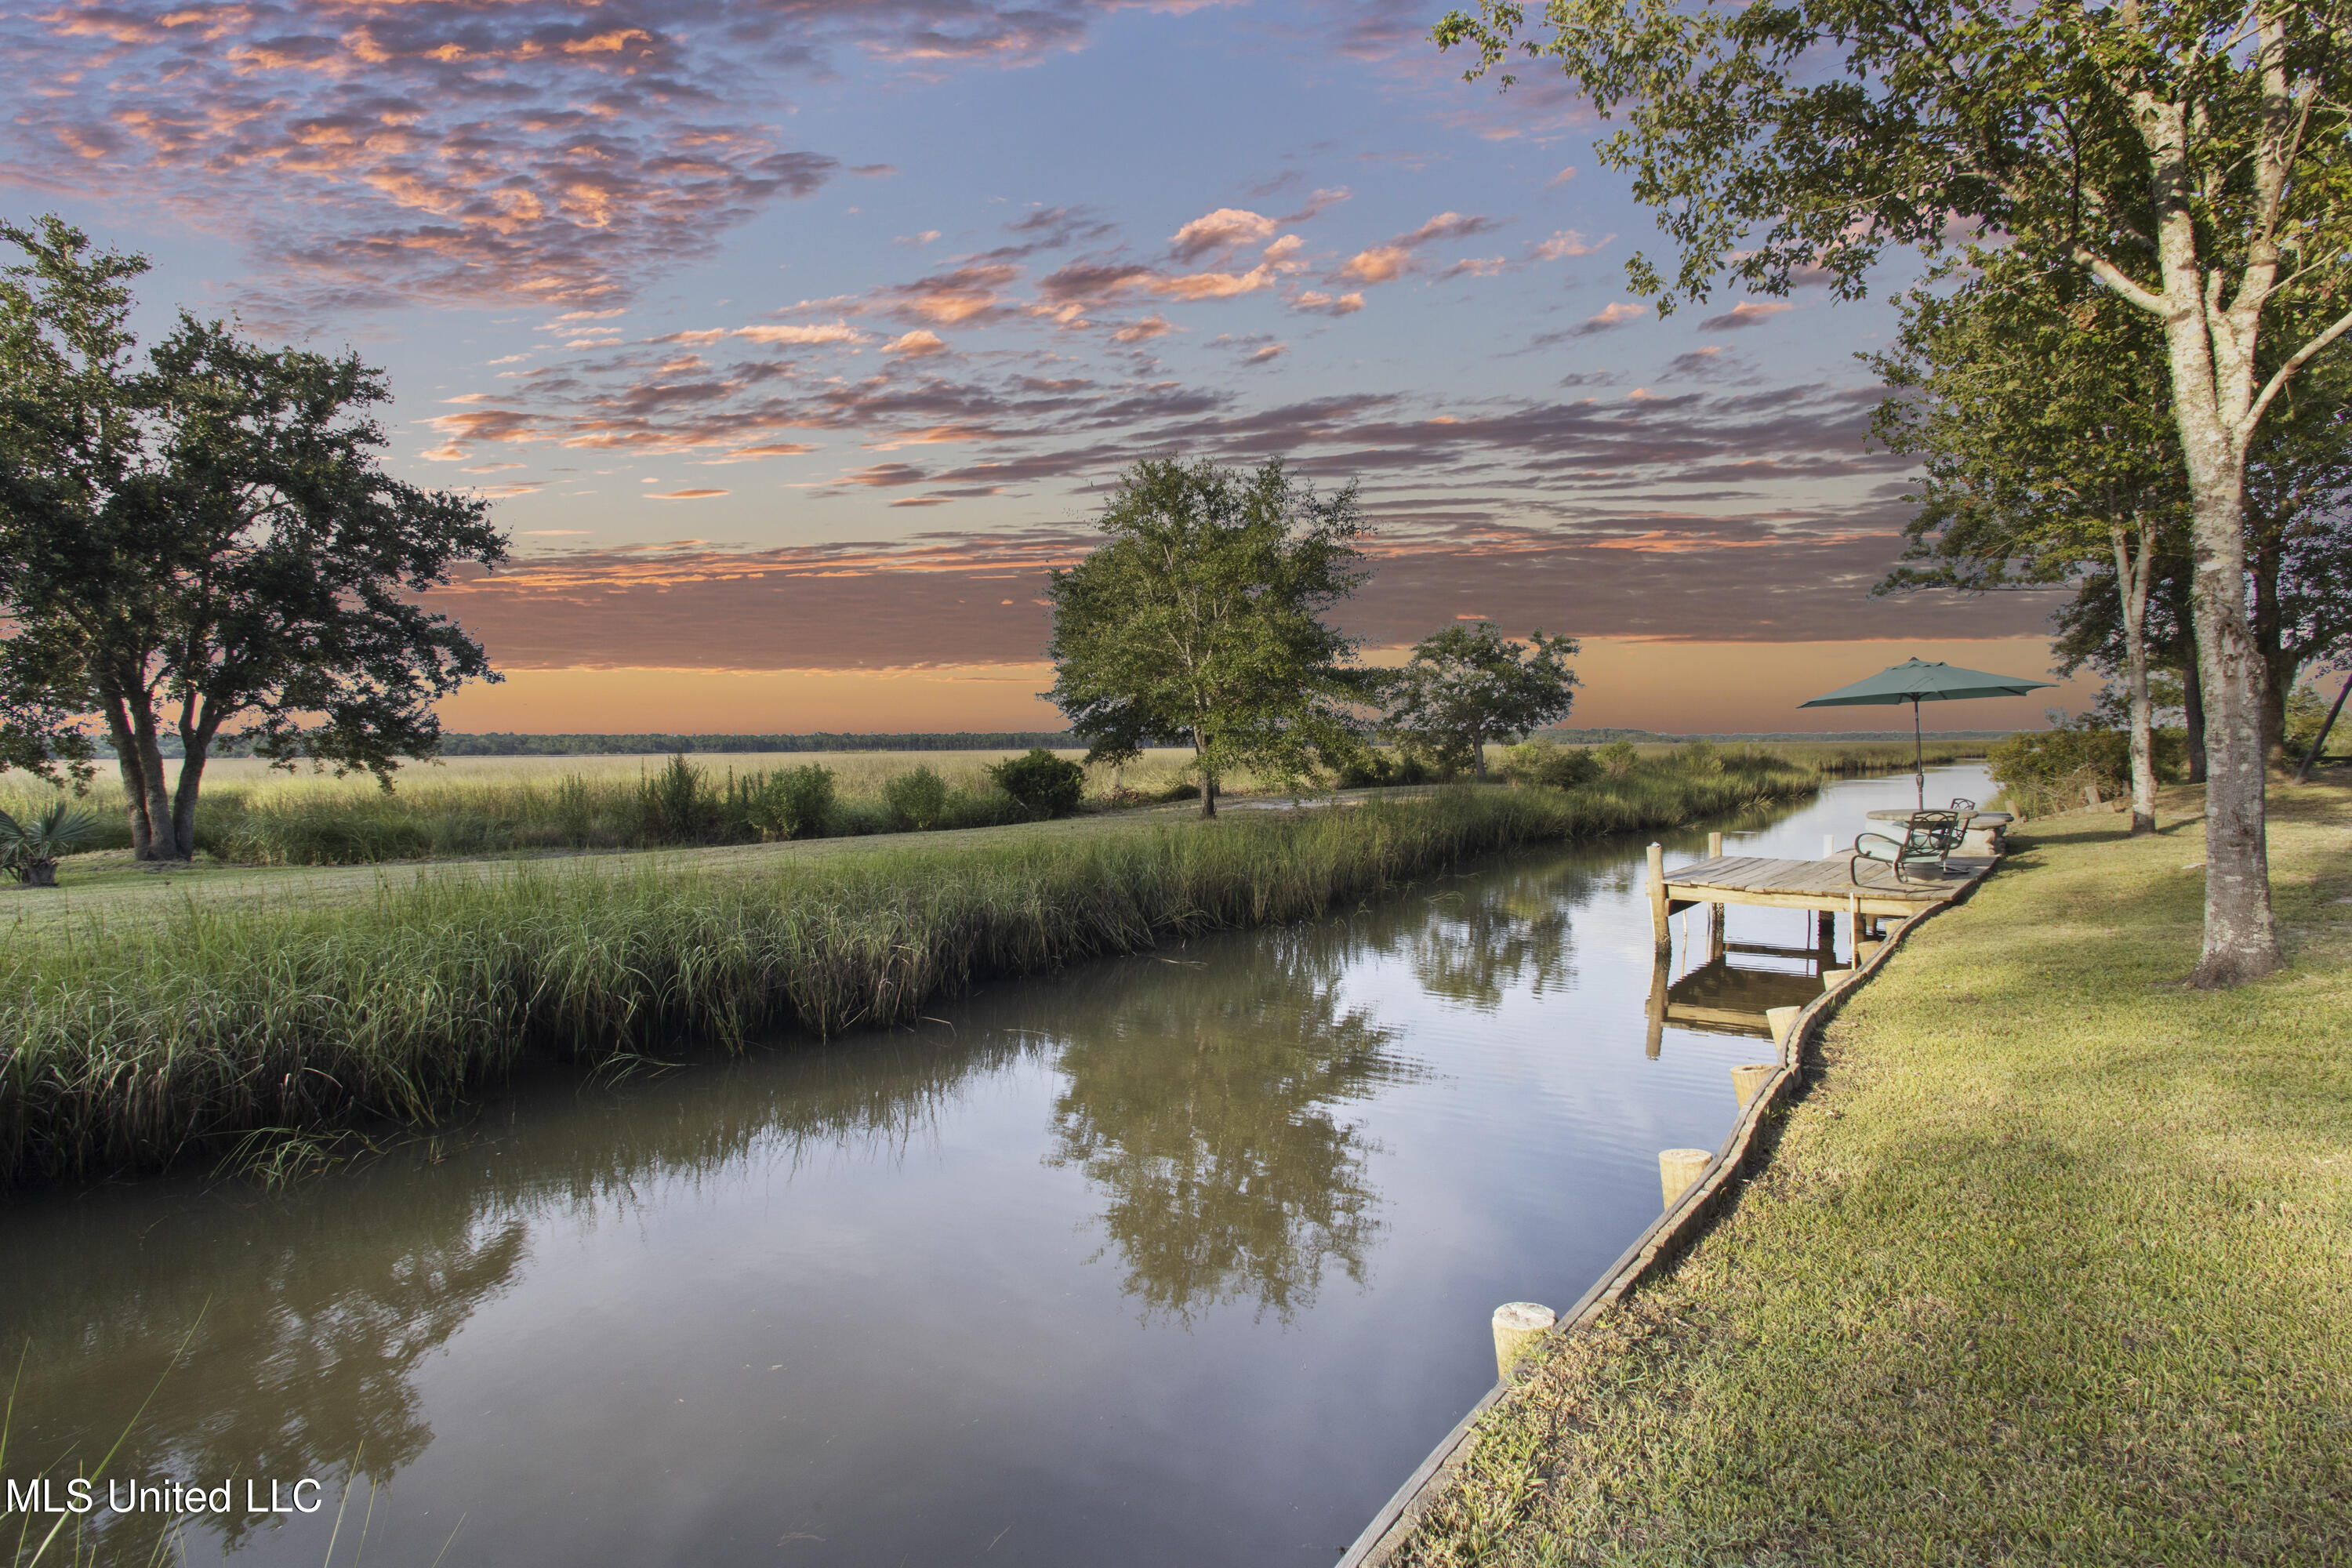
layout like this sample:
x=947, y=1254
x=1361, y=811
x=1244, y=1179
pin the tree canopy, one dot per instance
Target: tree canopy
x=2038, y=413
x=1468, y=684
x=1199, y=621
x=203, y=539
x=2190, y=155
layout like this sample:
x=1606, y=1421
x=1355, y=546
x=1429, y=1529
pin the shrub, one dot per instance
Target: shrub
x=675, y=805
x=29, y=849
x=1617, y=758
x=917, y=800
x=794, y=803
x=2046, y=771
x=1546, y=762
x=1042, y=784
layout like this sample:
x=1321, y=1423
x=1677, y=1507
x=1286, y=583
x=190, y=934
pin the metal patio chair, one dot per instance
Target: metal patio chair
x=1927, y=838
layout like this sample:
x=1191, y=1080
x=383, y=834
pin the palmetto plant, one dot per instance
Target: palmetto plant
x=30, y=849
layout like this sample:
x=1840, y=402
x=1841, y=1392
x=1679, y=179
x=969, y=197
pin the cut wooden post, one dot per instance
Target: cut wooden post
x=1679, y=1168
x=1714, y=932
x=1658, y=927
x=1864, y=952
x=1518, y=1326
x=1715, y=846
x=1825, y=932
x=1746, y=1081
x=1782, y=1020
x=1833, y=978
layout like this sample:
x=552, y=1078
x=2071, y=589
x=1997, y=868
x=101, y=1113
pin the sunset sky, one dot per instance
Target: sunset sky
x=797, y=341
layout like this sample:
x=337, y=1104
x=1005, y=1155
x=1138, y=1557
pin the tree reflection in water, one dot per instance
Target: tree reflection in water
x=1490, y=933
x=1207, y=1102
x=308, y=1316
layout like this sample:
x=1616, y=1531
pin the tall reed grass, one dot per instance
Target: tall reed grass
x=124, y=1049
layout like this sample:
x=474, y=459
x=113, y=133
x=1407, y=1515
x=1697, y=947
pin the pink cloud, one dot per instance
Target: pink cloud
x=1564, y=245
x=1613, y=315
x=1327, y=305
x=1387, y=262
x=917, y=345
x=1223, y=229
x=1747, y=314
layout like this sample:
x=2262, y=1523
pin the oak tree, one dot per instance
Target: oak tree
x=206, y=538
x=1468, y=684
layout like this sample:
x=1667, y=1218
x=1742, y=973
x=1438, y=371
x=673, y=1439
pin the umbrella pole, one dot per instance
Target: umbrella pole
x=1918, y=756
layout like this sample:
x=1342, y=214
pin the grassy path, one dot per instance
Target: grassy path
x=2054, y=1264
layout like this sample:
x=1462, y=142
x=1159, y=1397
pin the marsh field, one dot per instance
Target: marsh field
x=250, y=814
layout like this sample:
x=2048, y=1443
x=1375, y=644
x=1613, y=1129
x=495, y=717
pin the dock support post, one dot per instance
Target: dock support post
x=1825, y=934
x=1715, y=846
x=1659, y=980
x=1746, y=1081
x=1518, y=1326
x=1679, y=1168
x=1714, y=932
x=1658, y=927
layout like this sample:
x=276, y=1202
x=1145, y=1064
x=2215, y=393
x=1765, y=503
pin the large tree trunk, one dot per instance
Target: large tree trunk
x=2240, y=935
x=1478, y=759
x=134, y=776
x=2209, y=345
x=161, y=843
x=195, y=746
x=2133, y=570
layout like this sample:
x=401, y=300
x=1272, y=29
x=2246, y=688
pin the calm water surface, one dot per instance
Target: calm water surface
x=1184, y=1259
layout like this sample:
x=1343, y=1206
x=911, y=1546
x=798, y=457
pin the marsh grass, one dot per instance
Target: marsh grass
x=2048, y=1266
x=470, y=806
x=133, y=1047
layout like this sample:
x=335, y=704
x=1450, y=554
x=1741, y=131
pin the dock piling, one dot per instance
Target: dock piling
x=1658, y=912
x=1518, y=1326
x=1679, y=1168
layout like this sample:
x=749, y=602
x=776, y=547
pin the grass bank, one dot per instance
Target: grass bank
x=130, y=1046
x=2049, y=1266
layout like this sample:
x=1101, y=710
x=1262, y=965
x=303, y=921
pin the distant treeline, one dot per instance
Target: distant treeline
x=511, y=745
x=1651, y=737
x=505, y=745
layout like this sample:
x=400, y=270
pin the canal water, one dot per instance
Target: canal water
x=1179, y=1260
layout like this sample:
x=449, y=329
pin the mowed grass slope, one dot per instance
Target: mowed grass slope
x=2053, y=1263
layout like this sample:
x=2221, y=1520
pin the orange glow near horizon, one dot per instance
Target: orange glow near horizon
x=1676, y=688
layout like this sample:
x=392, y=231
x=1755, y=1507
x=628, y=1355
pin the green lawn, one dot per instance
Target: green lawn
x=2053, y=1264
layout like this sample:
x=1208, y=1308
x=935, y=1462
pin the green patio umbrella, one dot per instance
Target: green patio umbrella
x=1915, y=681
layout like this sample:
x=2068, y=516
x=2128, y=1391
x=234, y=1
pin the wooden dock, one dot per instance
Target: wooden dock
x=1826, y=886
